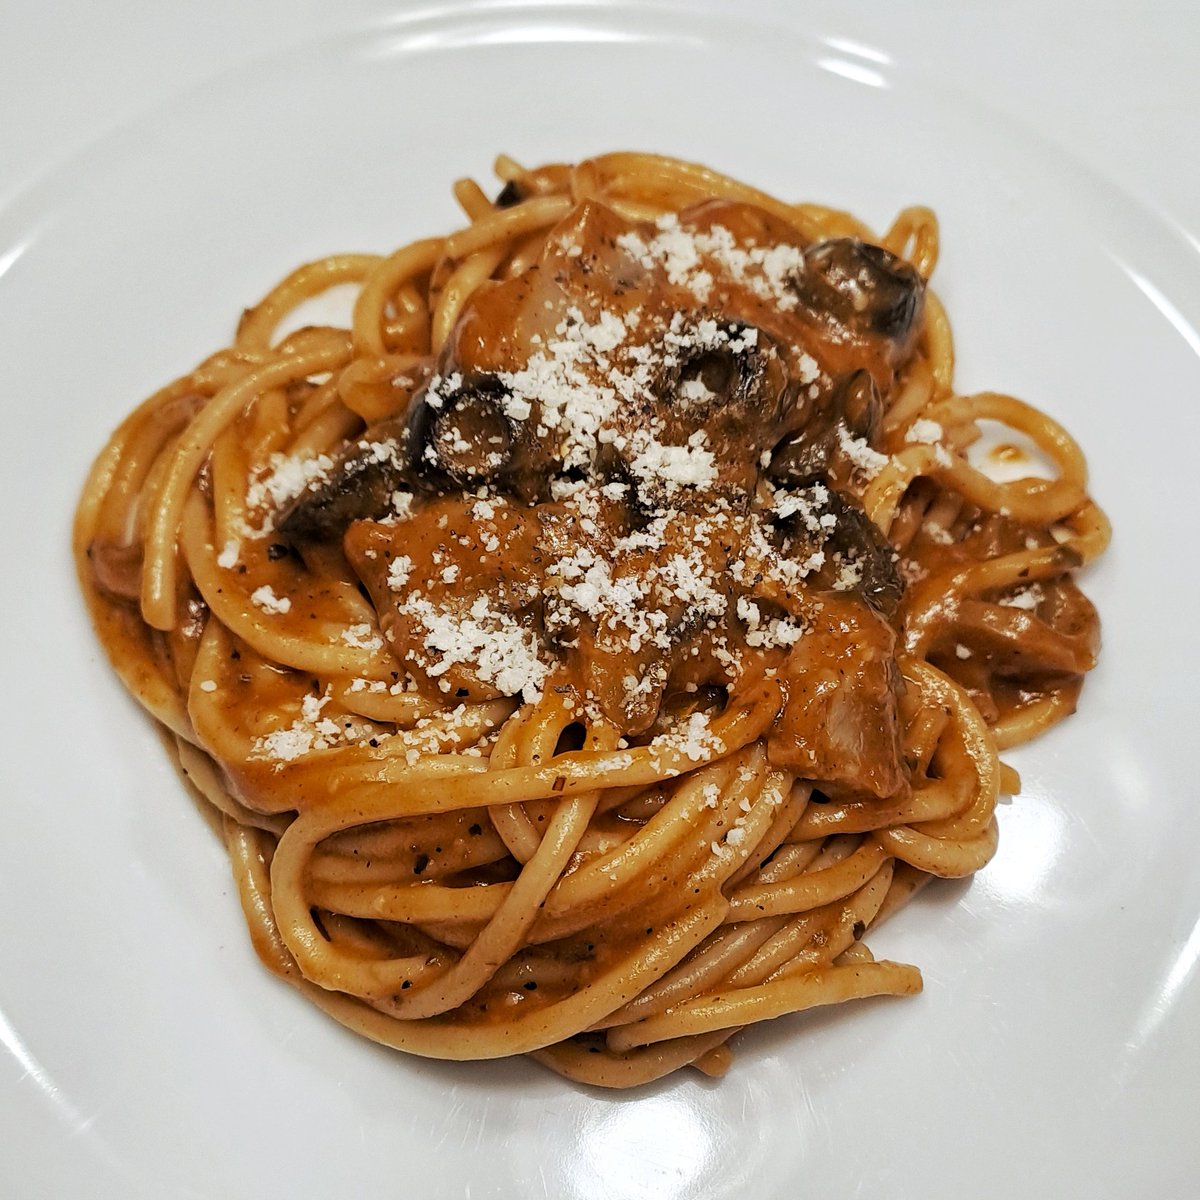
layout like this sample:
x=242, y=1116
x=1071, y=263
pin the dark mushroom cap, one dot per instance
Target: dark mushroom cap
x=867, y=290
x=360, y=485
x=461, y=437
x=510, y=194
x=808, y=453
x=853, y=546
x=725, y=379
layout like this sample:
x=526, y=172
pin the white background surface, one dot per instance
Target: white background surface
x=1115, y=81
x=1057, y=1049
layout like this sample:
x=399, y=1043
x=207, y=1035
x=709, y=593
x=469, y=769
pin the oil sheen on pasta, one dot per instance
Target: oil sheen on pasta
x=590, y=644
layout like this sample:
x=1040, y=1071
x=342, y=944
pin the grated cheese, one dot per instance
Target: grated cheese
x=669, y=468
x=285, y=479
x=399, y=570
x=924, y=430
x=1028, y=598
x=870, y=462
x=486, y=639
x=266, y=599
x=362, y=637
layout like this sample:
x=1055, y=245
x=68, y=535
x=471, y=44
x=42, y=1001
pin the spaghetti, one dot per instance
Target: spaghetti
x=589, y=645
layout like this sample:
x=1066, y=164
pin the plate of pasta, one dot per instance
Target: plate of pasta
x=650, y=705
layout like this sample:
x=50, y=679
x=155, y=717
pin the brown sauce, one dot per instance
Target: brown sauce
x=643, y=458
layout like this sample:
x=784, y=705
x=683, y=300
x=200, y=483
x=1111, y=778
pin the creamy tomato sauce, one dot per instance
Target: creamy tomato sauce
x=635, y=474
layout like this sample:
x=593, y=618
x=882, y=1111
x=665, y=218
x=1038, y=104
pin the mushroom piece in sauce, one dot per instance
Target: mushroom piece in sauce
x=809, y=452
x=865, y=290
x=361, y=484
x=858, y=558
x=462, y=437
x=725, y=389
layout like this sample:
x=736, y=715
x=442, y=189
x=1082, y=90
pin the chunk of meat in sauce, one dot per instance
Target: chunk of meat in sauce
x=628, y=623
x=840, y=722
x=439, y=568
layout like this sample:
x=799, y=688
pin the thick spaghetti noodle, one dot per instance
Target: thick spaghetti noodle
x=590, y=644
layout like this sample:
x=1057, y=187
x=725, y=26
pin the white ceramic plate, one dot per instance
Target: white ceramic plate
x=1054, y=1050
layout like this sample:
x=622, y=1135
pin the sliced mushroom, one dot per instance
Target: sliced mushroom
x=361, y=484
x=866, y=290
x=452, y=439
x=475, y=434
x=862, y=560
x=861, y=409
x=725, y=381
x=857, y=557
x=458, y=437
x=734, y=369
x=807, y=453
